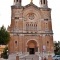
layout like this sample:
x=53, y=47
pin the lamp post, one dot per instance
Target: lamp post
x=7, y=54
x=17, y=57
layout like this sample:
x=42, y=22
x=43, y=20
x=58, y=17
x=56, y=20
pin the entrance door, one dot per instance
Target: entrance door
x=31, y=47
x=31, y=51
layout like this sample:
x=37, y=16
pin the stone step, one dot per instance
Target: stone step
x=30, y=57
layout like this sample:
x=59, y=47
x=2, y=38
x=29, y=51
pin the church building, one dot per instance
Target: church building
x=31, y=29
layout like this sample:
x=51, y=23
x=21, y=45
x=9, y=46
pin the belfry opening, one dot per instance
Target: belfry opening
x=32, y=47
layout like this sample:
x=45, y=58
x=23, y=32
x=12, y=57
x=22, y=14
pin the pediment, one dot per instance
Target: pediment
x=31, y=5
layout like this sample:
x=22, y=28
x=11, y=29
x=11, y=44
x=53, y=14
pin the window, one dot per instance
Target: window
x=46, y=26
x=47, y=42
x=14, y=0
x=31, y=27
x=16, y=17
x=20, y=1
x=35, y=26
x=44, y=1
x=41, y=1
x=17, y=0
x=27, y=26
x=16, y=42
x=46, y=19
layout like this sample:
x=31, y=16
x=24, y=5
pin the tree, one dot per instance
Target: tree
x=57, y=48
x=4, y=36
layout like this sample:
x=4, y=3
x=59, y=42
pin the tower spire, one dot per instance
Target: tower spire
x=31, y=1
x=43, y=3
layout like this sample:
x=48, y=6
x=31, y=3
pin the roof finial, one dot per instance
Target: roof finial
x=31, y=1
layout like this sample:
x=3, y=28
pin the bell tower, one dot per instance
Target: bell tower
x=17, y=2
x=43, y=3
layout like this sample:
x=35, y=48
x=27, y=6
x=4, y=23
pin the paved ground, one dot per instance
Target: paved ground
x=29, y=57
x=3, y=59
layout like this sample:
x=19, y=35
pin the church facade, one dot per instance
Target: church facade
x=31, y=29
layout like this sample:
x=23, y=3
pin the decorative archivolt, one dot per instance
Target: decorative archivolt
x=33, y=40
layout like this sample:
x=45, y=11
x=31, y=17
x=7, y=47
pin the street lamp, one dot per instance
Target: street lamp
x=7, y=52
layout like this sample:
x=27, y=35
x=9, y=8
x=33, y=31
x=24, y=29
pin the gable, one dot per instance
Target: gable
x=31, y=8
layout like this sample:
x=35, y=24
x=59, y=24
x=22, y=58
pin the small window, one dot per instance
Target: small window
x=46, y=23
x=26, y=24
x=41, y=1
x=17, y=0
x=32, y=24
x=46, y=19
x=16, y=17
x=16, y=42
x=47, y=42
x=36, y=25
x=44, y=1
x=14, y=0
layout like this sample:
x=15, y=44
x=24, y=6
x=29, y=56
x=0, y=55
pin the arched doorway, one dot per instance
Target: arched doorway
x=32, y=47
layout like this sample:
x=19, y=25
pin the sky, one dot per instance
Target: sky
x=5, y=14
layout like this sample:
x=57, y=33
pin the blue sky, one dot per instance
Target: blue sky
x=5, y=14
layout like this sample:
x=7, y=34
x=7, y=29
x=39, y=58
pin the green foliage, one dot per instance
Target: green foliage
x=57, y=48
x=4, y=36
x=4, y=54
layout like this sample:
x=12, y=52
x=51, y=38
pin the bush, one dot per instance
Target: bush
x=4, y=54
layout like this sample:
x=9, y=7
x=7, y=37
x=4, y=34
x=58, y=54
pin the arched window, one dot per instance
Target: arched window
x=27, y=26
x=41, y=1
x=36, y=25
x=44, y=1
x=17, y=0
x=16, y=42
x=20, y=1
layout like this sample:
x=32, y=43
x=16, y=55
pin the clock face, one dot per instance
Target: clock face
x=31, y=16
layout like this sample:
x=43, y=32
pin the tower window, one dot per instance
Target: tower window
x=17, y=0
x=16, y=17
x=20, y=1
x=44, y=1
x=47, y=42
x=41, y=1
x=14, y=0
x=16, y=42
x=46, y=19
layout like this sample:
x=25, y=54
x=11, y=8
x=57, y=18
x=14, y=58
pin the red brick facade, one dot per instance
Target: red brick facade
x=31, y=29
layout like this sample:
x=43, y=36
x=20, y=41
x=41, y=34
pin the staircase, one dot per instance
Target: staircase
x=30, y=57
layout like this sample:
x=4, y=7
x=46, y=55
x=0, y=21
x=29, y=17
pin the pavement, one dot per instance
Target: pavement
x=3, y=59
x=29, y=57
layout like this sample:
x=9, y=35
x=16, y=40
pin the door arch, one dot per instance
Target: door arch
x=32, y=47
